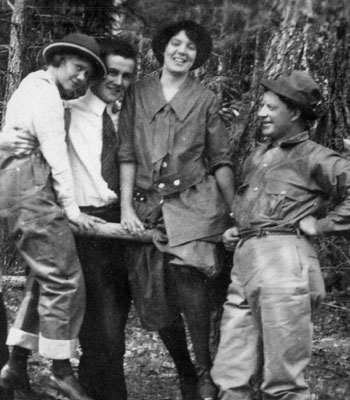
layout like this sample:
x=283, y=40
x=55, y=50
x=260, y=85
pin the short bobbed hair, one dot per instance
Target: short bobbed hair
x=194, y=31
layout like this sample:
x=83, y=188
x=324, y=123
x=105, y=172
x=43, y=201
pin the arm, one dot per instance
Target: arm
x=129, y=220
x=225, y=181
x=43, y=126
x=17, y=141
x=332, y=174
x=128, y=164
x=218, y=151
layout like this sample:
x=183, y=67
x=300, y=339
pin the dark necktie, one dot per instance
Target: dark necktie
x=109, y=163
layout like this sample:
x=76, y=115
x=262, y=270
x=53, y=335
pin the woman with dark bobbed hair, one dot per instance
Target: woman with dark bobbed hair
x=174, y=149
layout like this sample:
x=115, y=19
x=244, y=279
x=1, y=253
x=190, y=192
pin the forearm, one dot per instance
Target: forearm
x=225, y=181
x=55, y=153
x=127, y=183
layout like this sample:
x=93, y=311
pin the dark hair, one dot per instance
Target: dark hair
x=194, y=31
x=57, y=59
x=118, y=47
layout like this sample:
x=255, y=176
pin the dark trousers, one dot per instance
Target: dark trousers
x=189, y=292
x=4, y=354
x=107, y=305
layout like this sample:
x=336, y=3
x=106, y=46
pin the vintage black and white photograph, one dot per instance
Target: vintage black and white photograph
x=175, y=200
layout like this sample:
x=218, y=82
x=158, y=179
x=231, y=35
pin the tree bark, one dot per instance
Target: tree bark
x=17, y=46
x=310, y=36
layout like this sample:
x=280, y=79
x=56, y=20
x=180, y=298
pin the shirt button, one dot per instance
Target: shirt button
x=176, y=182
x=161, y=185
x=255, y=189
x=164, y=164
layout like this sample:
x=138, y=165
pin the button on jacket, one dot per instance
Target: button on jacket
x=175, y=145
x=285, y=183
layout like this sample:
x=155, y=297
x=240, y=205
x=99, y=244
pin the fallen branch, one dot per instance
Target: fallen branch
x=114, y=230
x=334, y=306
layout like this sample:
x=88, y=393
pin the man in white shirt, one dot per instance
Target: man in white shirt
x=108, y=299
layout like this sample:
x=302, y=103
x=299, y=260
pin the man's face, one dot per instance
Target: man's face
x=276, y=117
x=73, y=73
x=119, y=73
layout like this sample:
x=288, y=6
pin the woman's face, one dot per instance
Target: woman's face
x=180, y=53
x=73, y=73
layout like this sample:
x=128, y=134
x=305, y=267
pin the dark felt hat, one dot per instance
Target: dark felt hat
x=299, y=88
x=80, y=44
x=194, y=31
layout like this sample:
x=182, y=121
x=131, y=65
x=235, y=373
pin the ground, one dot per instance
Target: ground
x=151, y=375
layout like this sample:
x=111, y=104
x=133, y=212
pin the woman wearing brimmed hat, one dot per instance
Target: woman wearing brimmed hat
x=170, y=129
x=36, y=203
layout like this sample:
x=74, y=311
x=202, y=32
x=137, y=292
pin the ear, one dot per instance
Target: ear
x=296, y=114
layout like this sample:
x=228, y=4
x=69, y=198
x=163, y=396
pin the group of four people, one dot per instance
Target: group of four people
x=171, y=151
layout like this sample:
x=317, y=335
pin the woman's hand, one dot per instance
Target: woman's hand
x=131, y=222
x=18, y=142
x=230, y=238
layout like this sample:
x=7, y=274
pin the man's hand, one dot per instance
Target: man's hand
x=84, y=222
x=230, y=238
x=131, y=222
x=308, y=225
x=18, y=142
x=228, y=113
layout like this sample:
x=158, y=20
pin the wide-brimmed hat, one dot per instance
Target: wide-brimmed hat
x=80, y=44
x=196, y=33
x=299, y=88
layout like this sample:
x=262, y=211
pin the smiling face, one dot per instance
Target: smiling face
x=119, y=74
x=73, y=73
x=277, y=119
x=180, y=54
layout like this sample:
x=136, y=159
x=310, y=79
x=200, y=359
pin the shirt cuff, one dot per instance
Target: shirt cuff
x=324, y=226
x=72, y=211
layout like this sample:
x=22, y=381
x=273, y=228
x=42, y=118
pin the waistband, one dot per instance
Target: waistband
x=91, y=210
x=246, y=234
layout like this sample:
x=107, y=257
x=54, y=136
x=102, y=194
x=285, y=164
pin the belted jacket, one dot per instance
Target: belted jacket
x=176, y=146
x=283, y=183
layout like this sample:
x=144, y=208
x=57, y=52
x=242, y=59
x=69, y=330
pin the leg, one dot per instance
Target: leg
x=4, y=393
x=237, y=362
x=102, y=335
x=191, y=292
x=174, y=339
x=286, y=312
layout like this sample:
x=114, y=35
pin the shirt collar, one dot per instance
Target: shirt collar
x=181, y=103
x=94, y=103
x=291, y=141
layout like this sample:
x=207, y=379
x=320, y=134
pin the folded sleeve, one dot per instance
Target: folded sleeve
x=126, y=132
x=218, y=148
x=48, y=124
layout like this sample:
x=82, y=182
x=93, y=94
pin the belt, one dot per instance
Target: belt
x=115, y=206
x=261, y=232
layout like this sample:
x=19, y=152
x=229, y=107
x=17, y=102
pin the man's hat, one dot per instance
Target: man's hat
x=82, y=45
x=299, y=88
x=197, y=33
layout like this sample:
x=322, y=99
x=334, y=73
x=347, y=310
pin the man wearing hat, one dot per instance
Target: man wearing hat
x=35, y=189
x=276, y=283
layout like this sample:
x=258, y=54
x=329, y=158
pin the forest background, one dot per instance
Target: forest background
x=252, y=39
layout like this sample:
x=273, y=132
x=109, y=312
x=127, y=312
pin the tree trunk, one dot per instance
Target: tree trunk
x=315, y=37
x=17, y=46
